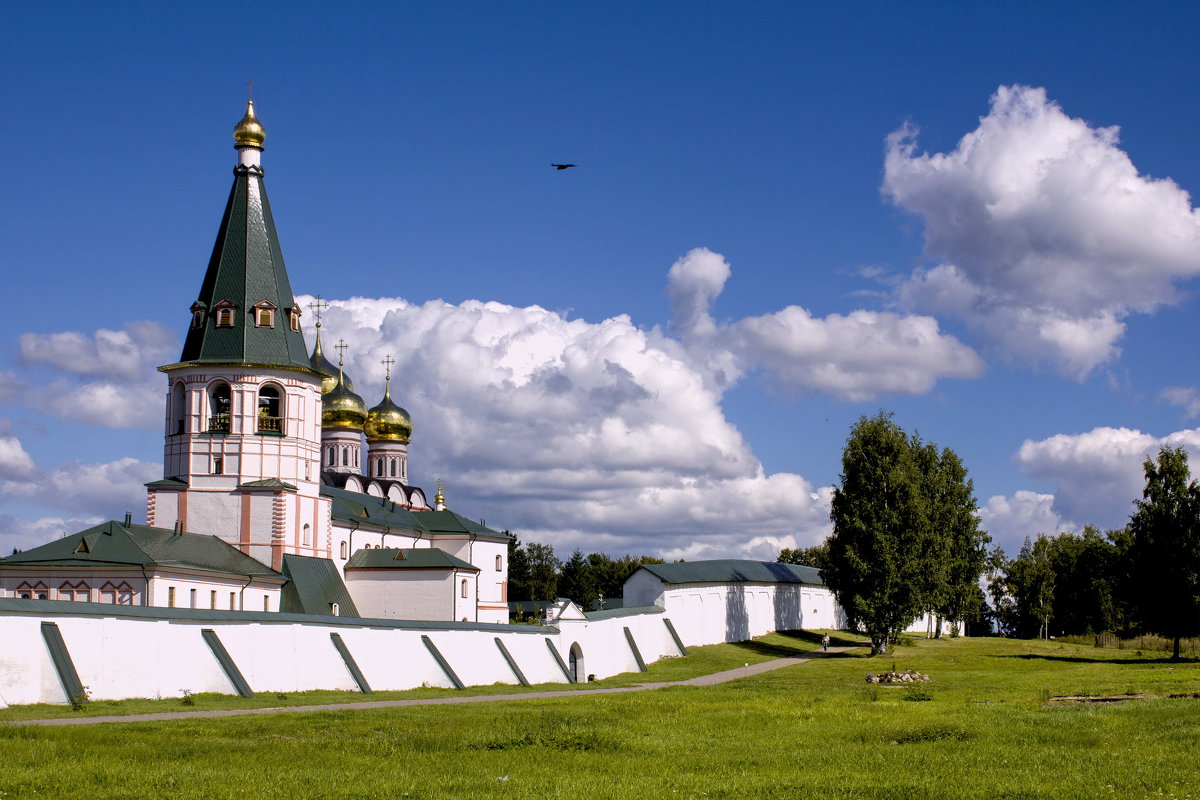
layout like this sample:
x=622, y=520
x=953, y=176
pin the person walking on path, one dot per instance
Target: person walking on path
x=825, y=642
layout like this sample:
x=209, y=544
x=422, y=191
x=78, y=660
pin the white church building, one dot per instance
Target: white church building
x=269, y=499
x=284, y=548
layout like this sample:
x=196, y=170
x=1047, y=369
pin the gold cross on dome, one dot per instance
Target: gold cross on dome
x=387, y=365
x=317, y=306
x=341, y=347
x=249, y=89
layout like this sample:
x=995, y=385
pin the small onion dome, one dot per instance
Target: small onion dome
x=329, y=371
x=249, y=132
x=388, y=422
x=343, y=409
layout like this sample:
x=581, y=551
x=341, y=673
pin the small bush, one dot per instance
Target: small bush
x=917, y=694
x=934, y=732
x=80, y=699
x=188, y=699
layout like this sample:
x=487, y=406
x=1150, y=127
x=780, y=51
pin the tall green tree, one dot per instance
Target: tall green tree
x=577, y=581
x=1166, y=547
x=1031, y=584
x=879, y=519
x=958, y=549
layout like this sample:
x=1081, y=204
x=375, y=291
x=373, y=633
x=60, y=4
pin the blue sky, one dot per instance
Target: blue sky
x=1027, y=300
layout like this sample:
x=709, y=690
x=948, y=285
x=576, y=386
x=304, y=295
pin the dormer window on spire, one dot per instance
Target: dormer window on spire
x=264, y=314
x=198, y=309
x=224, y=312
x=294, y=318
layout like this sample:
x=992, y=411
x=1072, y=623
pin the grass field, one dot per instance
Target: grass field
x=982, y=729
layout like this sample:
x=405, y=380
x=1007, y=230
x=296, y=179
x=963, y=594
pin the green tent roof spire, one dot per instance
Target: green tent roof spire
x=246, y=313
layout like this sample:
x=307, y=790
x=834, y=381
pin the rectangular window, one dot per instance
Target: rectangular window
x=193, y=599
x=233, y=601
x=212, y=600
x=218, y=466
x=266, y=603
x=170, y=597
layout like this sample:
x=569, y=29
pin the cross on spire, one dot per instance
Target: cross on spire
x=387, y=365
x=250, y=89
x=341, y=348
x=318, y=305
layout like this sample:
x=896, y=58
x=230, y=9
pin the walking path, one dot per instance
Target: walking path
x=702, y=680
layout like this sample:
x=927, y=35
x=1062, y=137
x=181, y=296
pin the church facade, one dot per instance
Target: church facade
x=264, y=452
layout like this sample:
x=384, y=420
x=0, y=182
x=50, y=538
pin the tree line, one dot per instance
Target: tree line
x=906, y=541
x=535, y=573
x=1143, y=578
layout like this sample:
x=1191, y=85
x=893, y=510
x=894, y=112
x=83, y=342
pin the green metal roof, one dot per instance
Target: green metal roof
x=407, y=558
x=610, y=613
x=367, y=509
x=314, y=584
x=246, y=268
x=268, y=483
x=114, y=544
x=65, y=608
x=450, y=522
x=379, y=512
x=734, y=571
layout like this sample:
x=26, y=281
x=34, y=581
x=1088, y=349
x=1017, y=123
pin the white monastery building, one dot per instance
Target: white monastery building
x=269, y=500
x=285, y=549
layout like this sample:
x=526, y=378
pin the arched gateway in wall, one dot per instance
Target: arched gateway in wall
x=575, y=663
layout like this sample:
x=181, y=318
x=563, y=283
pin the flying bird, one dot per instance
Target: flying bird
x=561, y=167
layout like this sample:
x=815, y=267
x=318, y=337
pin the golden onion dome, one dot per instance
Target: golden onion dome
x=388, y=422
x=343, y=409
x=249, y=132
x=328, y=371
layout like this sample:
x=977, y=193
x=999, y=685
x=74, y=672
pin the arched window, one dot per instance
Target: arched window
x=463, y=590
x=499, y=563
x=306, y=538
x=345, y=456
x=220, y=406
x=392, y=467
x=270, y=416
x=355, y=456
x=342, y=550
x=224, y=317
x=178, y=409
x=294, y=315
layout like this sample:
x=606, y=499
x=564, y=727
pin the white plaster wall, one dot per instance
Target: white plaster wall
x=121, y=657
x=404, y=593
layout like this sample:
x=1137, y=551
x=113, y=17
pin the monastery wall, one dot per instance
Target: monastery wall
x=121, y=652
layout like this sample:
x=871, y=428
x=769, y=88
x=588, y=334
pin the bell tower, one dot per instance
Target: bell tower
x=242, y=451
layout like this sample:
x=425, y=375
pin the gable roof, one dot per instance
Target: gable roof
x=246, y=269
x=732, y=570
x=113, y=544
x=407, y=558
x=314, y=584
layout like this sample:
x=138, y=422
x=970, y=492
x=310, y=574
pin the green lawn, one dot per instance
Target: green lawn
x=982, y=729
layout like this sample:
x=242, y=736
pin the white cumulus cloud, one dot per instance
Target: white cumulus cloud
x=106, y=379
x=1009, y=520
x=15, y=462
x=1046, y=236
x=856, y=356
x=1098, y=474
x=107, y=489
